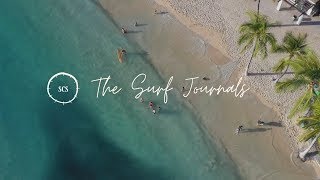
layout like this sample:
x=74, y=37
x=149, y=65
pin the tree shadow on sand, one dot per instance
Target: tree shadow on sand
x=83, y=153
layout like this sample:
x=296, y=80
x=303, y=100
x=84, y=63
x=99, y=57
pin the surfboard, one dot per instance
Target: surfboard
x=120, y=55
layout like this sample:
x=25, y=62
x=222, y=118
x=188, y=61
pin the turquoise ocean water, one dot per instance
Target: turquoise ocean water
x=111, y=137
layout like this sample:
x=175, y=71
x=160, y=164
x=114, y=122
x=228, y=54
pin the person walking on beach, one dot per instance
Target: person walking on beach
x=239, y=129
x=260, y=123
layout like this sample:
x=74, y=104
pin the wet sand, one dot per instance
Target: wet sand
x=260, y=152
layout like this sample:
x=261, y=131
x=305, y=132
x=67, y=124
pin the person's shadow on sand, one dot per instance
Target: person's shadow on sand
x=276, y=124
x=252, y=130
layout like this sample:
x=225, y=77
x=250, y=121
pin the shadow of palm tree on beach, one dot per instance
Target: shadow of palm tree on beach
x=303, y=23
x=83, y=153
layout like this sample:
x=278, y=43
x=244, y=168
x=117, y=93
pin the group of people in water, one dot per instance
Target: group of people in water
x=152, y=106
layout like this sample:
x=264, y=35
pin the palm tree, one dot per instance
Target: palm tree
x=306, y=74
x=255, y=33
x=292, y=45
x=311, y=125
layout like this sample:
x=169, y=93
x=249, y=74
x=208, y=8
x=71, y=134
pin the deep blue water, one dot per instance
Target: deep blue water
x=110, y=137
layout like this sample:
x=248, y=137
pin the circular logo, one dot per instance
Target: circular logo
x=62, y=90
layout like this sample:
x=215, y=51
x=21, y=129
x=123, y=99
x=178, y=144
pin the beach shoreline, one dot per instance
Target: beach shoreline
x=212, y=32
x=228, y=70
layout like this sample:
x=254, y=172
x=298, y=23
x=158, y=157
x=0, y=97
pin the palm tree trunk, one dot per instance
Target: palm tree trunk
x=285, y=71
x=303, y=154
x=258, y=6
x=249, y=63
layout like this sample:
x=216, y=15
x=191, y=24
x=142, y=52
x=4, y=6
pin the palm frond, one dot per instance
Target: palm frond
x=279, y=67
x=302, y=103
x=255, y=33
x=291, y=84
x=309, y=135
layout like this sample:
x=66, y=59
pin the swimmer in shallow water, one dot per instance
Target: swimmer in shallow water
x=151, y=104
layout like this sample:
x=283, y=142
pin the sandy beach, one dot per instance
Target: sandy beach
x=220, y=28
x=204, y=45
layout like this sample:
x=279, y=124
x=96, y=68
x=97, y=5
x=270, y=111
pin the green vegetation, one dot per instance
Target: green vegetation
x=311, y=124
x=255, y=35
x=306, y=75
x=292, y=45
x=305, y=65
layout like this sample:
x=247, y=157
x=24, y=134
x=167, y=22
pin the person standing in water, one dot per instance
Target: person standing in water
x=151, y=104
